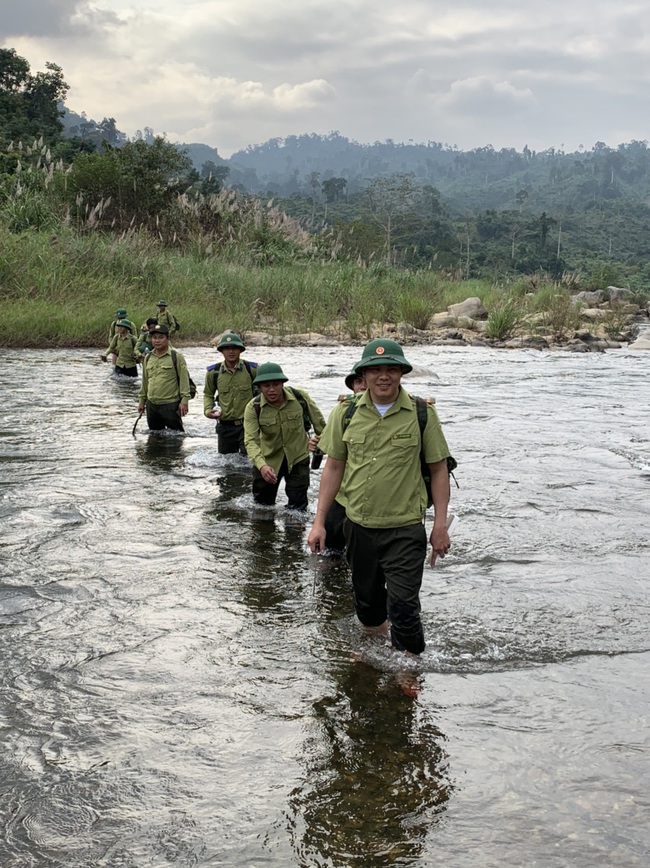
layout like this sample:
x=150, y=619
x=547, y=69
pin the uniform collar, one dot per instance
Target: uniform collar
x=402, y=402
x=238, y=367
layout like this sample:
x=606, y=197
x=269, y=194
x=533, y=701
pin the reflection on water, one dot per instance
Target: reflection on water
x=375, y=776
x=180, y=683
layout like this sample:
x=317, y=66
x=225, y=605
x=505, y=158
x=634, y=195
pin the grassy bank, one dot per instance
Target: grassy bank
x=61, y=289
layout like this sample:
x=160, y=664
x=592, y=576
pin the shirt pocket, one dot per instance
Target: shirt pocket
x=294, y=421
x=269, y=427
x=355, y=445
x=403, y=450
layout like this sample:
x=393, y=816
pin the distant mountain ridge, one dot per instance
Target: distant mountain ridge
x=471, y=181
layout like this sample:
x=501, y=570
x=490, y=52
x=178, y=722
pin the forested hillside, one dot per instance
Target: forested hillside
x=580, y=216
x=494, y=211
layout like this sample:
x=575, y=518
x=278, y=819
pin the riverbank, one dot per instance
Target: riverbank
x=61, y=290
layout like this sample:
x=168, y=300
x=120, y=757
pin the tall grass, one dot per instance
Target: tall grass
x=221, y=262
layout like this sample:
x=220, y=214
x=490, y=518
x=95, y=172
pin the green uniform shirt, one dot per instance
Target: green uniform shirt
x=125, y=349
x=279, y=432
x=167, y=319
x=235, y=390
x=144, y=345
x=160, y=382
x=383, y=483
x=113, y=328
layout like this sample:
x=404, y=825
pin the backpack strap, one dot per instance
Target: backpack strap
x=352, y=402
x=421, y=405
x=252, y=373
x=298, y=395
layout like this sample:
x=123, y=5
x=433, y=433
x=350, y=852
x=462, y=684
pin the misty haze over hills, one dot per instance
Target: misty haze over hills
x=482, y=178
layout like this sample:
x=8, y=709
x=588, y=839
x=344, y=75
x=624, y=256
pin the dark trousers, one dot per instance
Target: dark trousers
x=387, y=565
x=230, y=437
x=126, y=372
x=161, y=416
x=334, y=521
x=296, y=485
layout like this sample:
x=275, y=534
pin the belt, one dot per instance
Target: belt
x=238, y=422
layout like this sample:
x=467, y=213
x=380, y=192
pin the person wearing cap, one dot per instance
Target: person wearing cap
x=144, y=344
x=166, y=317
x=121, y=316
x=165, y=389
x=230, y=383
x=276, y=438
x=122, y=348
x=355, y=381
x=386, y=499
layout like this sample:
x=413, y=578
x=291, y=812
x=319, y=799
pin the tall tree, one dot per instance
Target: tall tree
x=388, y=198
x=30, y=105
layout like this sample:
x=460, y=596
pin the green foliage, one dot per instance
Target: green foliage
x=604, y=274
x=560, y=315
x=29, y=103
x=412, y=309
x=122, y=187
x=616, y=320
x=502, y=320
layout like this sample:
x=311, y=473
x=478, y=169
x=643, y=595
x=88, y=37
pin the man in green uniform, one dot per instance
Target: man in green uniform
x=386, y=499
x=145, y=345
x=166, y=317
x=276, y=439
x=120, y=316
x=231, y=384
x=122, y=348
x=165, y=389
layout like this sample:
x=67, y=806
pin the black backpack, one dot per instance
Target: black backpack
x=421, y=408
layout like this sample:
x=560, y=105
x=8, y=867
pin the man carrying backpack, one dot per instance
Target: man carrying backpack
x=166, y=317
x=379, y=450
x=275, y=434
x=122, y=348
x=231, y=384
x=165, y=389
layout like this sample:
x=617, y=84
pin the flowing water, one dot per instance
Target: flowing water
x=179, y=682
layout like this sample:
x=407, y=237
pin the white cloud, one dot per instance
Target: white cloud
x=480, y=95
x=235, y=72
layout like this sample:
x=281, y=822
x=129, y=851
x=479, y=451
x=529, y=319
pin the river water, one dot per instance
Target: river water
x=180, y=677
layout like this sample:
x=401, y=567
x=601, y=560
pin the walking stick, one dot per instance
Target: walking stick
x=136, y=422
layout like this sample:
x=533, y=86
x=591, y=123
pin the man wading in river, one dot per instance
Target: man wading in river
x=231, y=383
x=122, y=349
x=275, y=434
x=165, y=389
x=386, y=499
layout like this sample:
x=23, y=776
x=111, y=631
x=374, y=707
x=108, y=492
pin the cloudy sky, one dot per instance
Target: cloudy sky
x=236, y=72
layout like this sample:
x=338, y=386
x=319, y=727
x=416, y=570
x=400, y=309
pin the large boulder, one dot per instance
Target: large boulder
x=587, y=297
x=530, y=342
x=641, y=343
x=471, y=308
x=619, y=293
x=593, y=314
x=441, y=320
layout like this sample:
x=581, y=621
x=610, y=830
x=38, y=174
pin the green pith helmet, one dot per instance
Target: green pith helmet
x=383, y=351
x=352, y=376
x=120, y=313
x=268, y=372
x=161, y=303
x=230, y=339
x=123, y=323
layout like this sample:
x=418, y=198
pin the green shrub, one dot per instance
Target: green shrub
x=502, y=320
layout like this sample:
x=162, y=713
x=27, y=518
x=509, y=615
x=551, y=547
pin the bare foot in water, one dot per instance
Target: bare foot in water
x=409, y=683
